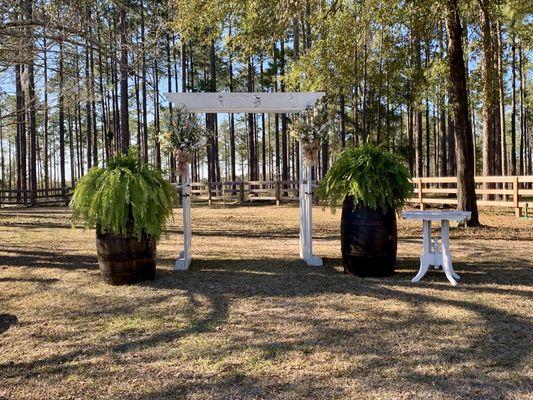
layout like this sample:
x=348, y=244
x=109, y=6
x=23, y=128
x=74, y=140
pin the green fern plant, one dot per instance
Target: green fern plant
x=374, y=177
x=126, y=191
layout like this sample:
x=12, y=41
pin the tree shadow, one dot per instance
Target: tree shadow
x=19, y=257
x=6, y=321
x=29, y=280
x=222, y=282
x=293, y=280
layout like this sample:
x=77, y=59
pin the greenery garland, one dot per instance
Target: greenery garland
x=374, y=177
x=126, y=190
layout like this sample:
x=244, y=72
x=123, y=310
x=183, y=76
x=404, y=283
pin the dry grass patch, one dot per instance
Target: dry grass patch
x=250, y=321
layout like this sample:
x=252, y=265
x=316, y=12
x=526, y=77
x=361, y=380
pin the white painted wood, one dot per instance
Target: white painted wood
x=286, y=102
x=458, y=216
x=301, y=190
x=306, y=213
x=431, y=254
x=184, y=260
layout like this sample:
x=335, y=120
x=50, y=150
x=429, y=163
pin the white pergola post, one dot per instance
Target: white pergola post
x=184, y=260
x=305, y=191
x=285, y=102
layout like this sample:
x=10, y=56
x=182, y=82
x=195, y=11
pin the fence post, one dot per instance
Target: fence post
x=516, y=197
x=65, y=195
x=209, y=193
x=420, y=195
x=278, y=193
x=242, y=192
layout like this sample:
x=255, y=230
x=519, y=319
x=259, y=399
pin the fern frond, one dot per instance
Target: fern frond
x=125, y=190
x=374, y=177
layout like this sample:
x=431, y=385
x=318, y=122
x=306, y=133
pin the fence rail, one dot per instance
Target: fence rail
x=39, y=197
x=245, y=191
x=492, y=191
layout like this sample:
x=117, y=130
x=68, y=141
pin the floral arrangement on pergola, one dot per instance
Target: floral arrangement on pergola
x=184, y=136
x=311, y=128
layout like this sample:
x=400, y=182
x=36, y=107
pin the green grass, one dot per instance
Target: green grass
x=250, y=321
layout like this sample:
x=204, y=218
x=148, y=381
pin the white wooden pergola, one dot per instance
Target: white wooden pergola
x=287, y=102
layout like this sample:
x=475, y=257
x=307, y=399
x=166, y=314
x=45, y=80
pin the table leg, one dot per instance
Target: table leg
x=426, y=255
x=446, y=254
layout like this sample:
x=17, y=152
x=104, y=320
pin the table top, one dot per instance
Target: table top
x=438, y=215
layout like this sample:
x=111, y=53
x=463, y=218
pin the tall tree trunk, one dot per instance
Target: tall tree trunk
x=276, y=116
x=522, y=89
x=487, y=69
x=137, y=91
x=442, y=102
x=103, y=98
x=284, y=133
x=263, y=130
x=501, y=97
x=2, y=159
x=143, y=89
x=45, y=138
x=116, y=108
x=88, y=83
x=124, y=103
x=342, y=120
x=443, y=139
x=365, y=78
x=77, y=117
x=410, y=135
x=233, y=161
x=61, y=123
x=21, y=134
x=428, y=144
x=32, y=108
x=211, y=120
x=171, y=158
x=71, y=150
x=296, y=57
x=157, y=119
x=417, y=114
x=428, y=135
x=379, y=94
x=466, y=187
x=513, y=106
x=252, y=154
x=93, y=113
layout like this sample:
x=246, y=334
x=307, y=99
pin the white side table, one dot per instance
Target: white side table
x=431, y=254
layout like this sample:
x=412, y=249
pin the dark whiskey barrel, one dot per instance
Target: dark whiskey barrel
x=368, y=240
x=124, y=259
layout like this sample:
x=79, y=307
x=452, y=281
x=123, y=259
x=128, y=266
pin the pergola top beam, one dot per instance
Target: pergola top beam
x=246, y=102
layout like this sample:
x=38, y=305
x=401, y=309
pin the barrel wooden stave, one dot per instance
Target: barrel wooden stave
x=368, y=240
x=124, y=259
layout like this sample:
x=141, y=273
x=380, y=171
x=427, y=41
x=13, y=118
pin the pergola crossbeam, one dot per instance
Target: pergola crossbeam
x=245, y=102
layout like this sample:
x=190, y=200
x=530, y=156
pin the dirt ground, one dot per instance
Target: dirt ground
x=251, y=321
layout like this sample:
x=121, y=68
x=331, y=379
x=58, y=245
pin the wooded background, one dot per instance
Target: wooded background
x=81, y=80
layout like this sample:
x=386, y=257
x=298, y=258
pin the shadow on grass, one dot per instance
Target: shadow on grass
x=28, y=280
x=19, y=257
x=504, y=344
x=6, y=321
